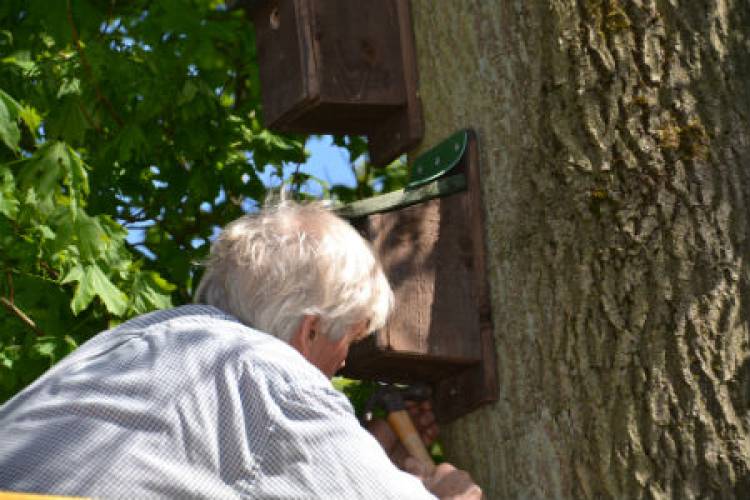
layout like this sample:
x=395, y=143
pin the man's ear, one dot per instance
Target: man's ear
x=305, y=333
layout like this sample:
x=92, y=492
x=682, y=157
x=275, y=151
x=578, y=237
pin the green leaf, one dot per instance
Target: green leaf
x=69, y=86
x=76, y=178
x=45, y=347
x=52, y=164
x=69, y=343
x=31, y=118
x=42, y=171
x=150, y=291
x=67, y=121
x=45, y=232
x=90, y=236
x=132, y=142
x=8, y=37
x=92, y=282
x=8, y=201
x=10, y=134
x=115, y=301
x=6, y=361
x=188, y=92
x=22, y=59
x=75, y=274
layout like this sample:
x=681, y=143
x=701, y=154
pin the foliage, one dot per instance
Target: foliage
x=129, y=133
x=358, y=392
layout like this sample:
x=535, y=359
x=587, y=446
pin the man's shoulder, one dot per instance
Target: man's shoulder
x=201, y=328
x=191, y=316
x=192, y=323
x=274, y=369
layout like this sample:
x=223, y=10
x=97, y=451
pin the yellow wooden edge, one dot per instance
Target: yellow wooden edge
x=18, y=495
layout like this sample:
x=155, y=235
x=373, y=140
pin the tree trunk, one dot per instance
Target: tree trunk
x=615, y=148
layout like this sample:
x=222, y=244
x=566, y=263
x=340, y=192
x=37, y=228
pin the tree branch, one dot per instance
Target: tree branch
x=11, y=290
x=79, y=48
x=109, y=18
x=52, y=272
x=13, y=309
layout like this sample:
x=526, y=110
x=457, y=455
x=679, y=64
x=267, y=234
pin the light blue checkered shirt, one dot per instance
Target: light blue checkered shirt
x=190, y=403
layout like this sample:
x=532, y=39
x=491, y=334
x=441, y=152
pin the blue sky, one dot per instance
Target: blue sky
x=327, y=162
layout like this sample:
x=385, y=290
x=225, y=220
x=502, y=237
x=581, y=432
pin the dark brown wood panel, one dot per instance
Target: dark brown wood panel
x=336, y=118
x=287, y=72
x=426, y=251
x=401, y=131
x=459, y=394
x=340, y=67
x=441, y=330
x=359, y=51
x=402, y=368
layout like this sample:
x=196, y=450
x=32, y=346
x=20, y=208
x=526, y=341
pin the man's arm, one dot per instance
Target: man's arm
x=316, y=448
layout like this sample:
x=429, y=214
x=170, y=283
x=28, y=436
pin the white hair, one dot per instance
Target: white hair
x=272, y=268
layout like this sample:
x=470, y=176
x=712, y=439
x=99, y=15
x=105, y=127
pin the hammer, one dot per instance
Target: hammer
x=392, y=400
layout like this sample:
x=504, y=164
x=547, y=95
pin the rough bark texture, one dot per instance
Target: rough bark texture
x=615, y=147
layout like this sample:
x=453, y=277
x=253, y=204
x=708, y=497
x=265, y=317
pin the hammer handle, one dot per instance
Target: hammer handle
x=402, y=425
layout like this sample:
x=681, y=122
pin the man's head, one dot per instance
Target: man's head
x=301, y=274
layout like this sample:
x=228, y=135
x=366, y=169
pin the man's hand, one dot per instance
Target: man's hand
x=445, y=482
x=424, y=420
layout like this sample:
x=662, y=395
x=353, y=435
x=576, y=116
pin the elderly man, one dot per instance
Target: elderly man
x=230, y=397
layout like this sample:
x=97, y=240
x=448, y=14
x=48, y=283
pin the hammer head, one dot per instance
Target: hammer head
x=391, y=397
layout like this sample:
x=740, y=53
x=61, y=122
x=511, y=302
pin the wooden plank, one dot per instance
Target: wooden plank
x=354, y=47
x=287, y=71
x=457, y=395
x=403, y=198
x=426, y=252
x=400, y=367
x=463, y=392
x=404, y=129
x=359, y=52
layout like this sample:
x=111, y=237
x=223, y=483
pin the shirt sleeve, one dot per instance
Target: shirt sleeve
x=318, y=449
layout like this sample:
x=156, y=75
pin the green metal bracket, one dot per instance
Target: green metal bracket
x=429, y=180
x=403, y=197
x=439, y=160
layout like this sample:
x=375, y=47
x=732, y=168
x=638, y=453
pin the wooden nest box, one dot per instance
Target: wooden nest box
x=430, y=240
x=339, y=67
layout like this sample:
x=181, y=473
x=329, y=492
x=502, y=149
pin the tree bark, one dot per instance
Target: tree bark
x=615, y=150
